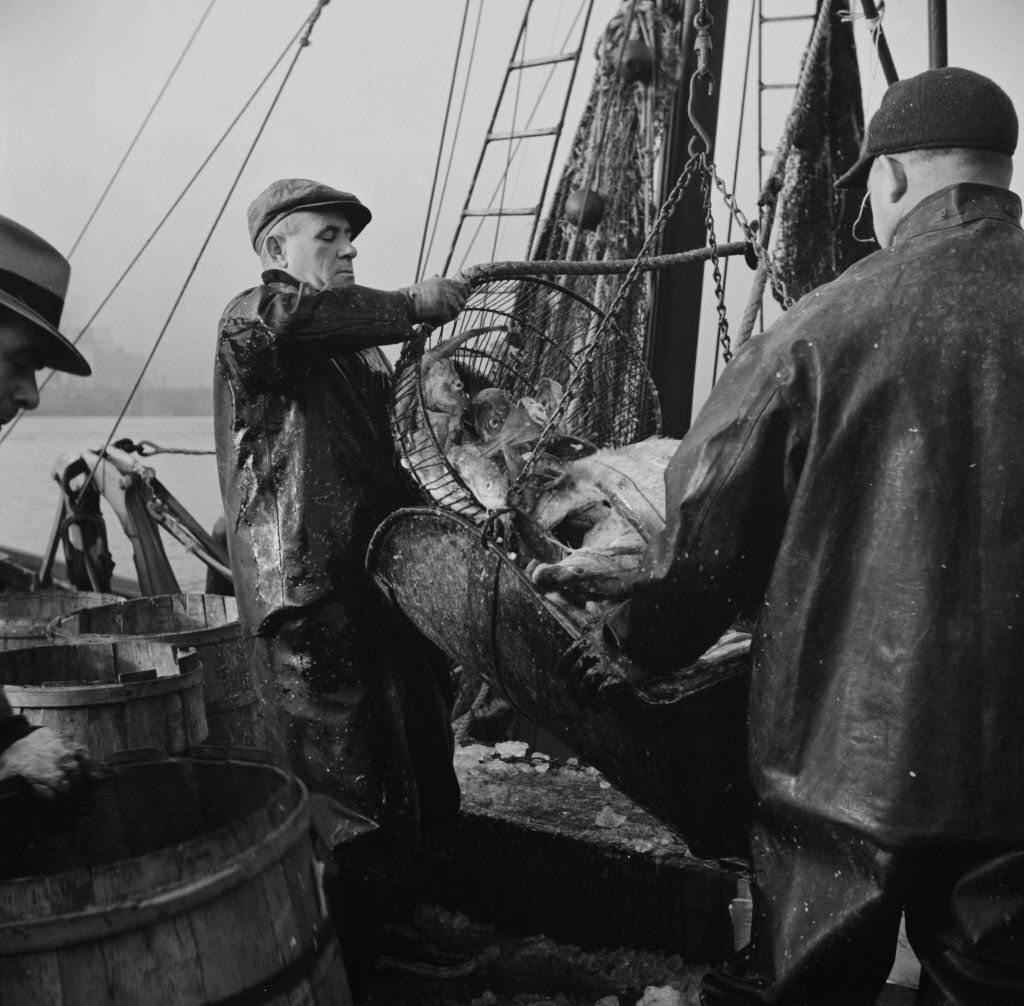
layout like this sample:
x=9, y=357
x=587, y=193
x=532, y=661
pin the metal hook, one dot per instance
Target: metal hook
x=702, y=21
x=700, y=133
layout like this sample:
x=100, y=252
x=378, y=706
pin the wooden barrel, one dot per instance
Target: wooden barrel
x=25, y=618
x=186, y=881
x=110, y=695
x=207, y=623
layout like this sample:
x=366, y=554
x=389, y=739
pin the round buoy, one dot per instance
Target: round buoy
x=637, y=63
x=584, y=209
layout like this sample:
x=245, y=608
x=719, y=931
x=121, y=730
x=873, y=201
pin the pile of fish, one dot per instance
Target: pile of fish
x=593, y=510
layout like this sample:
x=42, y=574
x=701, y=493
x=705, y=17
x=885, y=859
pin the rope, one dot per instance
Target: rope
x=147, y=448
x=163, y=220
x=138, y=133
x=604, y=110
x=774, y=180
x=424, y=250
x=514, y=149
x=634, y=268
x=478, y=274
x=310, y=23
x=744, y=331
x=455, y=134
x=873, y=15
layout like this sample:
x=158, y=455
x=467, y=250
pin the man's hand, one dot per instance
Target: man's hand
x=46, y=762
x=595, y=670
x=437, y=300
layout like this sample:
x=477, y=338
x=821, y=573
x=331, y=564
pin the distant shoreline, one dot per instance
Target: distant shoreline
x=151, y=402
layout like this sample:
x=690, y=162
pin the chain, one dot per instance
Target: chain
x=716, y=271
x=749, y=231
x=668, y=207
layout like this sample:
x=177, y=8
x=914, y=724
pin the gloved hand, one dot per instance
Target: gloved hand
x=46, y=762
x=437, y=300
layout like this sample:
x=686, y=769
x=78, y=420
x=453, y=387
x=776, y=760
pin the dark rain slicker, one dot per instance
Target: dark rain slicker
x=307, y=471
x=856, y=479
x=858, y=472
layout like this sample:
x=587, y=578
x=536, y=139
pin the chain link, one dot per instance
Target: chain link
x=716, y=271
x=667, y=209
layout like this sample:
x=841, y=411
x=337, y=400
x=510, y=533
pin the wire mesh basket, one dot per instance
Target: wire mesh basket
x=533, y=343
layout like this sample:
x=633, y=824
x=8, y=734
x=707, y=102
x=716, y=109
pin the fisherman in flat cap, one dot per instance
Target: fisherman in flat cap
x=33, y=283
x=307, y=471
x=856, y=481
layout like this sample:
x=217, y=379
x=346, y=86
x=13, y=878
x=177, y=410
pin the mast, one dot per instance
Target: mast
x=937, y=49
x=676, y=300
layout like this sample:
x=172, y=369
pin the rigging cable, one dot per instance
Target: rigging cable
x=518, y=143
x=455, y=134
x=9, y=428
x=138, y=133
x=604, y=111
x=736, y=158
x=420, y=261
x=308, y=24
x=516, y=96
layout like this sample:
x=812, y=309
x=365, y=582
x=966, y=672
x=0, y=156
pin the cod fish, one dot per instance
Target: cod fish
x=445, y=398
x=489, y=409
x=484, y=479
x=587, y=573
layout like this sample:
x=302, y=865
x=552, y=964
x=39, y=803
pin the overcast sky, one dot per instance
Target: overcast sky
x=363, y=110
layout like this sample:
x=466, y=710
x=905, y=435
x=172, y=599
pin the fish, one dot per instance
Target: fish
x=489, y=408
x=629, y=480
x=519, y=431
x=549, y=393
x=445, y=399
x=482, y=476
x=585, y=574
x=609, y=506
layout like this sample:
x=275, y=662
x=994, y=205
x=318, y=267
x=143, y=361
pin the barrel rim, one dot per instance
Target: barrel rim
x=228, y=631
x=72, y=696
x=54, y=932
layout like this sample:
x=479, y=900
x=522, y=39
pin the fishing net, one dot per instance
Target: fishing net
x=614, y=155
x=813, y=241
x=531, y=343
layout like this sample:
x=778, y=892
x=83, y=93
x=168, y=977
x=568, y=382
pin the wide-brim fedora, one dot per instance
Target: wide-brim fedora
x=33, y=284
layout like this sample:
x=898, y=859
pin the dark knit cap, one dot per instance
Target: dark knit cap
x=947, y=107
x=283, y=197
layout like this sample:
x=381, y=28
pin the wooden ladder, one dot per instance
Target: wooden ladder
x=508, y=141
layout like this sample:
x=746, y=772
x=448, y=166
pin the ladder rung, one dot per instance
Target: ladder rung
x=562, y=57
x=777, y=87
x=525, y=212
x=524, y=134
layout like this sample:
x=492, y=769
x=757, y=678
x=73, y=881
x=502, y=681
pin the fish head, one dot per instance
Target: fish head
x=443, y=388
x=482, y=477
x=490, y=409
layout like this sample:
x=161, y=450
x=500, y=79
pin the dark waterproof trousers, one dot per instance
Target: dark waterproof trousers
x=363, y=708
x=827, y=906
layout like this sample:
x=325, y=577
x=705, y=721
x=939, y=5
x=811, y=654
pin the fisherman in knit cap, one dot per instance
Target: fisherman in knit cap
x=856, y=481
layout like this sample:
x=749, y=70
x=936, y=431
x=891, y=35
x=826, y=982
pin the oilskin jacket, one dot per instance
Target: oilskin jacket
x=305, y=458
x=12, y=727
x=857, y=478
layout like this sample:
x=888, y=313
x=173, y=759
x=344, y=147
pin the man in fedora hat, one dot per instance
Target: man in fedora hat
x=307, y=471
x=856, y=481
x=33, y=283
